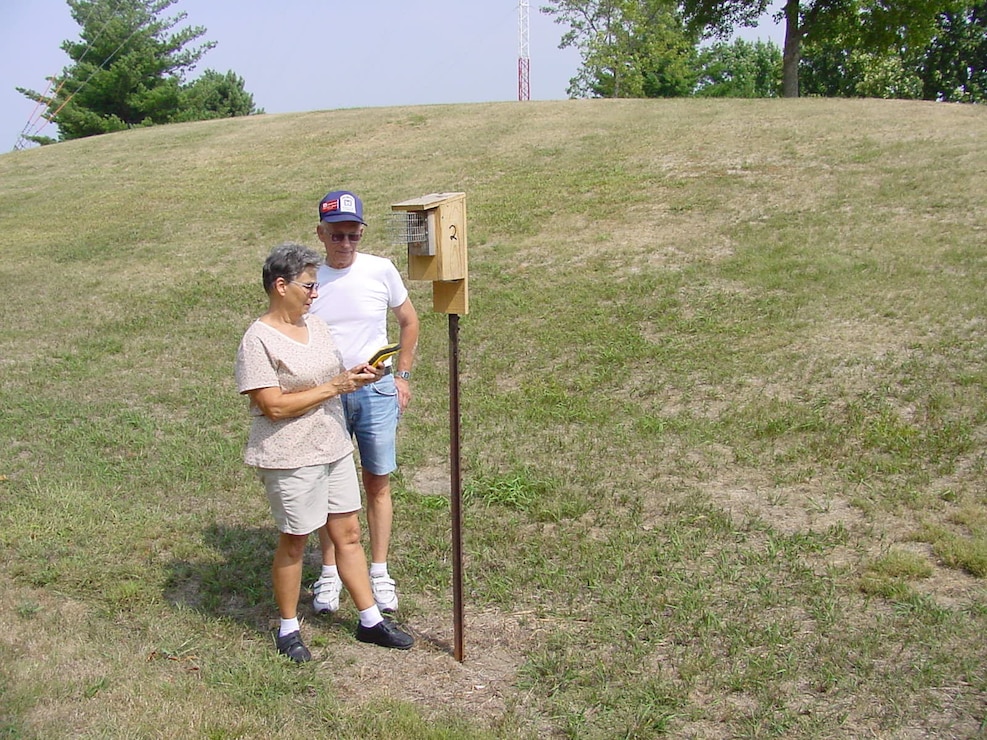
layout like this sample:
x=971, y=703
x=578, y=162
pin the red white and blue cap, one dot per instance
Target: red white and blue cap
x=341, y=205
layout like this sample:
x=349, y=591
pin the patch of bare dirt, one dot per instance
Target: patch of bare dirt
x=482, y=688
x=430, y=480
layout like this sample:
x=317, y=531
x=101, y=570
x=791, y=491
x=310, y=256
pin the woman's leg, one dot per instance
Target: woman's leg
x=287, y=573
x=344, y=529
x=352, y=563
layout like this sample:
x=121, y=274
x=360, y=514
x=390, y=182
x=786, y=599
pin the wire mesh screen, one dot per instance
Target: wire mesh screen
x=408, y=227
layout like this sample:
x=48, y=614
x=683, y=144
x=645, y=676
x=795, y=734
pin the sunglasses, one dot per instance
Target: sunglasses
x=338, y=238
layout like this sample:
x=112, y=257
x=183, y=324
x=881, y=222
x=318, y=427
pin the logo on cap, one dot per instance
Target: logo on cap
x=343, y=204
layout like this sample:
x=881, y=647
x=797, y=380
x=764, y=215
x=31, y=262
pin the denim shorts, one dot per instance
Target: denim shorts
x=372, y=418
x=302, y=498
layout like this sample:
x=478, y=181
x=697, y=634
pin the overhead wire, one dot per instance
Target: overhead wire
x=35, y=117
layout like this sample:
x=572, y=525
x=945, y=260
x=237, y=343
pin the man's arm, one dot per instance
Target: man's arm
x=407, y=319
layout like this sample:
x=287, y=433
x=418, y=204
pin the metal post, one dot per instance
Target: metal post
x=456, y=495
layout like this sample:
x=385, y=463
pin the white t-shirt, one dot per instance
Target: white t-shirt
x=267, y=358
x=355, y=303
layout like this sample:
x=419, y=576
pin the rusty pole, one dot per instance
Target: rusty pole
x=456, y=495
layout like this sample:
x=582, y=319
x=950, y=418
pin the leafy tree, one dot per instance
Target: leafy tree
x=878, y=24
x=629, y=48
x=833, y=70
x=954, y=66
x=742, y=69
x=950, y=67
x=844, y=64
x=129, y=69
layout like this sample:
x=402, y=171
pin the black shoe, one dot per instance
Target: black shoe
x=291, y=645
x=385, y=634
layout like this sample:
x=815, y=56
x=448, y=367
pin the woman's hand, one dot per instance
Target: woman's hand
x=276, y=405
x=357, y=377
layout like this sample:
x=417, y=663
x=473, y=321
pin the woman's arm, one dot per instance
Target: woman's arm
x=276, y=405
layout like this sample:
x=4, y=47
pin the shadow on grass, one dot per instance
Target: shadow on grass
x=235, y=583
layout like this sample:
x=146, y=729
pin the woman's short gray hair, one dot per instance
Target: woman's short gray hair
x=288, y=261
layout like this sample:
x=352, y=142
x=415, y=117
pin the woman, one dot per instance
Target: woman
x=290, y=368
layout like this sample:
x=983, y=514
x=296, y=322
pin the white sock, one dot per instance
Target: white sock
x=288, y=626
x=330, y=571
x=370, y=616
x=378, y=569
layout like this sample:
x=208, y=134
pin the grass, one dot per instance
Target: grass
x=723, y=417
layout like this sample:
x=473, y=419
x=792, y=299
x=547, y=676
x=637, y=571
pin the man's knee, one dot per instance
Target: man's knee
x=376, y=486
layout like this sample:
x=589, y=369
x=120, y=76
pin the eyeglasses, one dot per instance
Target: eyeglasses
x=309, y=287
x=337, y=237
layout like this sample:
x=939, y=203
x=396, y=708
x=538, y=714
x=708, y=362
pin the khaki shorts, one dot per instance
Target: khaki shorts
x=302, y=498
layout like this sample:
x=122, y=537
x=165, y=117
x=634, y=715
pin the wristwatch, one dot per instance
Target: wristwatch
x=403, y=374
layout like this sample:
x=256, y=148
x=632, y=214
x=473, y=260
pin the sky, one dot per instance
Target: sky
x=306, y=55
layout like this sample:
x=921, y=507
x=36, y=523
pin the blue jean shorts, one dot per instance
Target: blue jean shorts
x=372, y=419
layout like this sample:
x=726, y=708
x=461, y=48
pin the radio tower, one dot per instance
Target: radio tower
x=523, y=61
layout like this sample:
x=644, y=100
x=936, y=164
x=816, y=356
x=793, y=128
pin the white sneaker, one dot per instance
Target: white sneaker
x=325, y=594
x=385, y=594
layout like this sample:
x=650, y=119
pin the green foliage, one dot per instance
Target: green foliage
x=857, y=38
x=835, y=69
x=934, y=49
x=954, y=68
x=742, y=69
x=866, y=55
x=214, y=95
x=712, y=18
x=129, y=70
x=629, y=48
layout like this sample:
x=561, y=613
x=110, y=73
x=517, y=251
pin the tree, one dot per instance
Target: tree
x=214, y=95
x=870, y=48
x=742, y=69
x=629, y=48
x=832, y=70
x=878, y=24
x=845, y=63
x=954, y=67
x=950, y=67
x=129, y=69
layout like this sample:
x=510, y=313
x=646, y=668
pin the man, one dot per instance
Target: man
x=356, y=292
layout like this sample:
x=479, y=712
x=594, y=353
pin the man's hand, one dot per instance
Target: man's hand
x=404, y=393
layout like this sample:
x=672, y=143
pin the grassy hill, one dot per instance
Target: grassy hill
x=724, y=426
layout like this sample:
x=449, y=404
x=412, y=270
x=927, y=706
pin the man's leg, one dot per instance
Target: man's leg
x=380, y=514
x=325, y=591
x=380, y=520
x=325, y=543
x=371, y=416
x=376, y=433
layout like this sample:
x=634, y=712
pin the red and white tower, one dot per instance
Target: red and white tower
x=523, y=61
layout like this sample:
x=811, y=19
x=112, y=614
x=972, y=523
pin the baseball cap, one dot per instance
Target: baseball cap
x=341, y=205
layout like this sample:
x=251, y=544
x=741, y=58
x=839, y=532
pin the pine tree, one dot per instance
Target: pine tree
x=129, y=69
